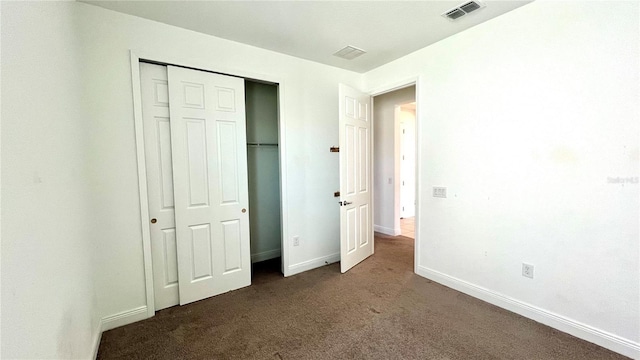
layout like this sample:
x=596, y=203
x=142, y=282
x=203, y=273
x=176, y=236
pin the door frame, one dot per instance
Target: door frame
x=398, y=160
x=169, y=58
x=393, y=86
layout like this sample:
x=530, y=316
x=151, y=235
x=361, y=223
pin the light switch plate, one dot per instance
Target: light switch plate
x=440, y=192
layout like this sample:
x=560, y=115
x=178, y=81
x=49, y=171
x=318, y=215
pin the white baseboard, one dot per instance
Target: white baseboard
x=96, y=340
x=313, y=263
x=387, y=230
x=265, y=255
x=605, y=339
x=124, y=318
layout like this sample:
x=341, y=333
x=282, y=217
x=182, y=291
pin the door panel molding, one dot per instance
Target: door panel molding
x=211, y=190
x=157, y=134
x=355, y=133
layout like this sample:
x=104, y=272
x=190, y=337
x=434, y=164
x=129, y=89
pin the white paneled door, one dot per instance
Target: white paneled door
x=356, y=213
x=157, y=138
x=196, y=162
x=208, y=141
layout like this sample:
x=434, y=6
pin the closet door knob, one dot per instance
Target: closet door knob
x=244, y=211
x=154, y=220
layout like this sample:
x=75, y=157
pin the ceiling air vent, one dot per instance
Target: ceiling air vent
x=463, y=10
x=349, y=52
x=470, y=6
x=455, y=13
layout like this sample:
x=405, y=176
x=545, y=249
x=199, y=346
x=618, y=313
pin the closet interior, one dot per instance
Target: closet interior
x=263, y=165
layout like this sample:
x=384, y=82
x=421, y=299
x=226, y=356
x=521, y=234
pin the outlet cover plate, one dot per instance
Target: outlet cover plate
x=527, y=270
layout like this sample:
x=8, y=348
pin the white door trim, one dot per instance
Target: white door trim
x=398, y=168
x=397, y=85
x=169, y=58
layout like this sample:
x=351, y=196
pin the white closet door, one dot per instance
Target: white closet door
x=356, y=226
x=157, y=140
x=208, y=133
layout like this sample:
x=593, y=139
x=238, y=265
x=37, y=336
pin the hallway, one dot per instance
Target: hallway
x=407, y=226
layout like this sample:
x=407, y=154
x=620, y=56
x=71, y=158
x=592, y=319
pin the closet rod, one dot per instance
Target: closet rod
x=261, y=144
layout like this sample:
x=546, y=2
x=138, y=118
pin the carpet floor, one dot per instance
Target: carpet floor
x=378, y=310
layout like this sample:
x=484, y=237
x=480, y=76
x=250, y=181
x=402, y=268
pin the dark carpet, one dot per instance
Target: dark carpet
x=378, y=310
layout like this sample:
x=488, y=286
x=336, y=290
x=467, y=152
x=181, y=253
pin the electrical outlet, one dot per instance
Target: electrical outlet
x=296, y=241
x=527, y=270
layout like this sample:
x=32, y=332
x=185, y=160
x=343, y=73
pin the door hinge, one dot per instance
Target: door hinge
x=336, y=194
x=334, y=149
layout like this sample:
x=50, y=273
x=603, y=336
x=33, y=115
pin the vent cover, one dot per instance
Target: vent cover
x=349, y=52
x=455, y=13
x=470, y=6
x=463, y=10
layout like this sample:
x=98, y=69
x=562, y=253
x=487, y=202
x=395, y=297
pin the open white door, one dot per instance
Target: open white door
x=208, y=141
x=356, y=226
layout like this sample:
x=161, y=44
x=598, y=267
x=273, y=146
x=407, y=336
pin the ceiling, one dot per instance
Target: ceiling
x=315, y=30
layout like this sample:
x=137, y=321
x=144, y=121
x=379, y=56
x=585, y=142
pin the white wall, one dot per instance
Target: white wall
x=49, y=306
x=308, y=106
x=386, y=176
x=525, y=118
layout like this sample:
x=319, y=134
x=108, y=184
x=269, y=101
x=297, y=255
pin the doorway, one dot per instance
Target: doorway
x=395, y=161
x=201, y=135
x=405, y=118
